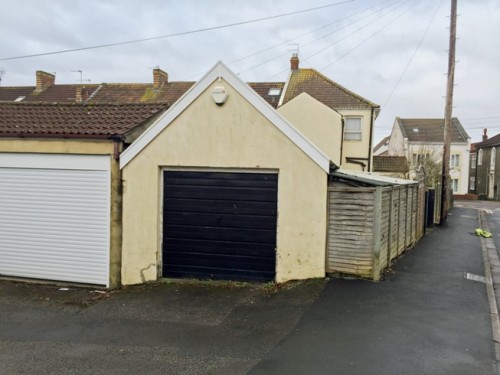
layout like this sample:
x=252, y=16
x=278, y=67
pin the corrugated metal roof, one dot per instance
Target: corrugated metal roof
x=366, y=178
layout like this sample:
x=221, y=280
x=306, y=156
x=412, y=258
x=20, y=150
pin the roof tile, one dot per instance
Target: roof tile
x=324, y=90
x=96, y=120
x=431, y=130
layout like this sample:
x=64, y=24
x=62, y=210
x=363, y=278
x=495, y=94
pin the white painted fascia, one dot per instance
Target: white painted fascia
x=221, y=71
x=285, y=87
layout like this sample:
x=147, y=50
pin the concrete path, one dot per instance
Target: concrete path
x=425, y=318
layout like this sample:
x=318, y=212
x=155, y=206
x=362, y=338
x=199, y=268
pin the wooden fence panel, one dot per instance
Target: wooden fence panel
x=351, y=231
x=385, y=220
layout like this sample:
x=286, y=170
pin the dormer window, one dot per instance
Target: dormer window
x=274, y=91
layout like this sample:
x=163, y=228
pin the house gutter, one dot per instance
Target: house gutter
x=59, y=136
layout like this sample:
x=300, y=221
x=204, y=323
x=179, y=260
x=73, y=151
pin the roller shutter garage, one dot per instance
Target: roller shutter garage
x=219, y=225
x=55, y=217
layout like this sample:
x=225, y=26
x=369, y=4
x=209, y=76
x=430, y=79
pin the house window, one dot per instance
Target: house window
x=455, y=161
x=493, y=157
x=454, y=185
x=419, y=159
x=473, y=160
x=480, y=157
x=472, y=183
x=352, y=130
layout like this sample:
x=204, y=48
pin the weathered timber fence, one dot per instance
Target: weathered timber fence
x=370, y=226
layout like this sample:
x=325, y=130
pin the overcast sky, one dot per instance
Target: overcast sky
x=364, y=45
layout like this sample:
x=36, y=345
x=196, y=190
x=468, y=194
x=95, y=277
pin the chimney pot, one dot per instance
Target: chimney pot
x=159, y=77
x=294, y=62
x=485, y=135
x=44, y=80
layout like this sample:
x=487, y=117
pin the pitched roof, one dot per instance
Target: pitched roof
x=324, y=90
x=492, y=141
x=394, y=164
x=431, y=130
x=221, y=71
x=52, y=94
x=269, y=91
x=383, y=142
x=139, y=93
x=64, y=120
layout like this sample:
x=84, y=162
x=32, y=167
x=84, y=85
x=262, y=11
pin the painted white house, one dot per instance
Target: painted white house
x=423, y=138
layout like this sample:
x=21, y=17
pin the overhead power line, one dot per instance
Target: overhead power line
x=395, y=6
x=371, y=36
x=317, y=39
x=176, y=34
x=413, y=55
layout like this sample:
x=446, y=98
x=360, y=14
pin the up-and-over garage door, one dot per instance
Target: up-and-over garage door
x=220, y=225
x=54, y=217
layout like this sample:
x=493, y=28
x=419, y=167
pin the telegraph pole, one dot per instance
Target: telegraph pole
x=445, y=197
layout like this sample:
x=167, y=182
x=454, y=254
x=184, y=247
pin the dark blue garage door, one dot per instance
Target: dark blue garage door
x=219, y=225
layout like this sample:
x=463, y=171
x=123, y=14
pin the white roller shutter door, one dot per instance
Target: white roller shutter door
x=55, y=217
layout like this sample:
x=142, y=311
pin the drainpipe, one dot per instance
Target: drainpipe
x=371, y=140
x=342, y=140
x=117, y=141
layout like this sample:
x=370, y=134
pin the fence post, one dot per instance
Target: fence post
x=391, y=223
x=377, y=227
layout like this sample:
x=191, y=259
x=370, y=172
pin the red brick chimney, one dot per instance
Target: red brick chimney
x=294, y=62
x=159, y=77
x=44, y=80
x=485, y=136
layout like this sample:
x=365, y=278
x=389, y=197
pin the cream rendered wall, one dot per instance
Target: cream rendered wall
x=462, y=172
x=234, y=135
x=83, y=147
x=357, y=149
x=321, y=124
x=396, y=142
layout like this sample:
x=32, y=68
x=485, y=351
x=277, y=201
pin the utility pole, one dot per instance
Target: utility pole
x=445, y=197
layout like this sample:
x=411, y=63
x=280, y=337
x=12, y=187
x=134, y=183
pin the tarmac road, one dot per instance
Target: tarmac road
x=424, y=318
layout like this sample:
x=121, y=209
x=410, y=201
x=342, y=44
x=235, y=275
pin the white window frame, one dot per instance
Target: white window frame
x=473, y=161
x=472, y=183
x=455, y=161
x=493, y=157
x=480, y=157
x=454, y=185
x=353, y=135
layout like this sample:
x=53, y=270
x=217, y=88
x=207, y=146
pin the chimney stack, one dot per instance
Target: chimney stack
x=159, y=77
x=485, y=136
x=294, y=62
x=44, y=80
x=82, y=94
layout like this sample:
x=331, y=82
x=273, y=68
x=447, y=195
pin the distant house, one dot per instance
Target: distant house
x=337, y=120
x=421, y=140
x=394, y=166
x=382, y=148
x=487, y=176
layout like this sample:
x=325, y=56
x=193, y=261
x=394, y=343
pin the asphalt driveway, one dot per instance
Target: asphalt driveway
x=169, y=328
x=423, y=318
